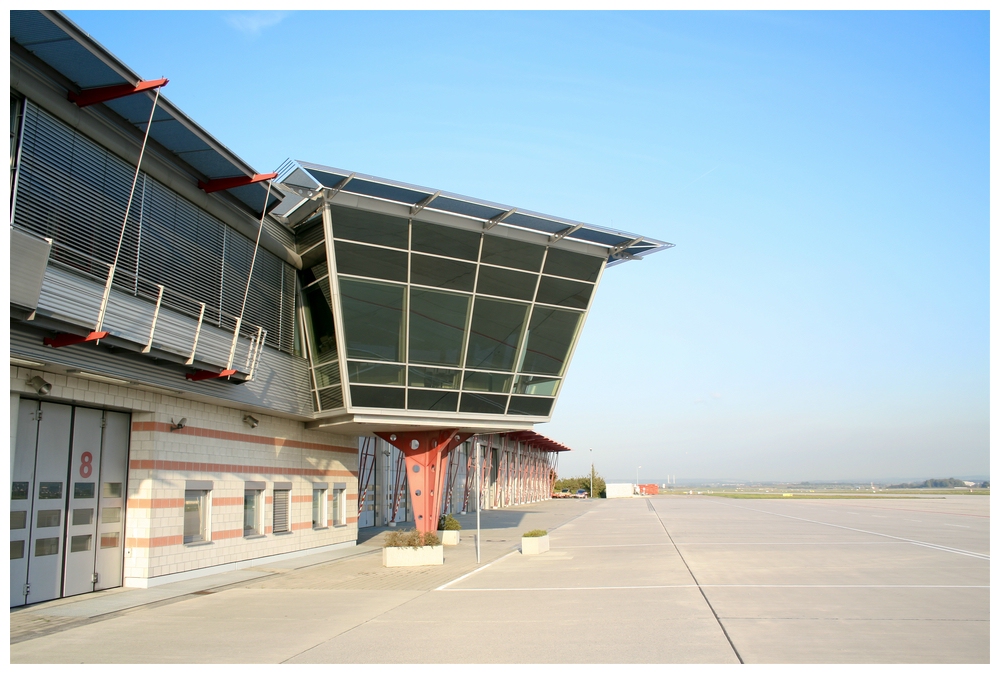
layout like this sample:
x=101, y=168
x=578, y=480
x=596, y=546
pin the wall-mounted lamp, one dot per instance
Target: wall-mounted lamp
x=176, y=426
x=41, y=386
x=251, y=420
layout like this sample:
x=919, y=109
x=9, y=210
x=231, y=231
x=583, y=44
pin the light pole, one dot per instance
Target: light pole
x=637, y=478
x=591, y=472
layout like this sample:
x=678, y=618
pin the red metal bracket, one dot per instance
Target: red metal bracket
x=426, y=455
x=102, y=94
x=68, y=339
x=208, y=374
x=236, y=181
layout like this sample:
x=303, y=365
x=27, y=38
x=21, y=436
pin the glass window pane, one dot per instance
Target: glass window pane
x=331, y=398
x=437, y=326
x=506, y=283
x=109, y=540
x=449, y=241
x=318, y=310
x=441, y=273
x=487, y=382
x=111, y=515
x=564, y=293
x=372, y=396
x=370, y=261
x=549, y=338
x=48, y=518
x=50, y=490
x=80, y=543
x=537, y=386
x=319, y=501
x=46, y=546
x=18, y=491
x=83, y=490
x=373, y=320
x=17, y=549
x=19, y=519
x=193, y=519
x=496, y=330
x=335, y=506
x=534, y=407
x=82, y=516
x=327, y=375
x=357, y=225
x=250, y=510
x=573, y=265
x=483, y=404
x=111, y=490
x=439, y=401
x=512, y=253
x=374, y=373
x=434, y=377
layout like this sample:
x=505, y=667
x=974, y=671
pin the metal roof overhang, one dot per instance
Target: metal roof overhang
x=64, y=46
x=306, y=181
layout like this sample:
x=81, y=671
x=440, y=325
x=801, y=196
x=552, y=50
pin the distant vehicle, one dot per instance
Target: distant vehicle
x=562, y=494
x=580, y=493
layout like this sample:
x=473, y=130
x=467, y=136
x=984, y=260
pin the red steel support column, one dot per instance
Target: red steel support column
x=426, y=453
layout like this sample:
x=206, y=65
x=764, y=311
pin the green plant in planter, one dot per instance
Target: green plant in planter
x=535, y=533
x=410, y=539
x=448, y=523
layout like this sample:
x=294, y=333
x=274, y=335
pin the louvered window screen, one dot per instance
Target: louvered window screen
x=74, y=191
x=281, y=499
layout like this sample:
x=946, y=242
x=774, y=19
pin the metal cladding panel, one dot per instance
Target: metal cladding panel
x=208, y=163
x=176, y=136
x=213, y=345
x=128, y=317
x=74, y=191
x=75, y=62
x=535, y=223
x=603, y=238
x=29, y=27
x=370, y=188
x=70, y=297
x=28, y=258
x=281, y=383
x=136, y=109
x=174, y=333
x=459, y=207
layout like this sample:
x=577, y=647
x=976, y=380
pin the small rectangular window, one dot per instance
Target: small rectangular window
x=112, y=490
x=48, y=518
x=83, y=490
x=50, y=490
x=195, y=516
x=80, y=543
x=109, y=540
x=111, y=515
x=46, y=546
x=319, y=508
x=18, y=519
x=83, y=516
x=280, y=513
x=337, y=508
x=251, y=512
x=19, y=491
x=17, y=549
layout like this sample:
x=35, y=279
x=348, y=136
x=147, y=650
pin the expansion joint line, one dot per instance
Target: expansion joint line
x=704, y=596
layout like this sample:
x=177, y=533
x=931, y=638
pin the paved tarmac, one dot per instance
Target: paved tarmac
x=669, y=579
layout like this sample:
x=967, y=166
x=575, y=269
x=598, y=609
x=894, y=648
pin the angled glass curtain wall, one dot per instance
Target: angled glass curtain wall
x=441, y=319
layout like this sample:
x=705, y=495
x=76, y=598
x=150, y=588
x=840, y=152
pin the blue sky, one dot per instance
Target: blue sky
x=825, y=176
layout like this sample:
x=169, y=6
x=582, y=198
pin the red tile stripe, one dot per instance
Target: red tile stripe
x=228, y=533
x=162, y=427
x=146, y=464
x=157, y=542
x=152, y=503
x=307, y=498
x=228, y=501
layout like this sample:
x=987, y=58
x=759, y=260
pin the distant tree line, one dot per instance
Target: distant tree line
x=582, y=482
x=937, y=483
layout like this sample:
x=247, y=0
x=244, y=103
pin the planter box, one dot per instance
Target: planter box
x=534, y=546
x=429, y=555
x=449, y=537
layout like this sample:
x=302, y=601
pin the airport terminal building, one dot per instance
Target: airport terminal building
x=211, y=367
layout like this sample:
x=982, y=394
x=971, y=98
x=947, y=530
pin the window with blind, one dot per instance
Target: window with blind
x=73, y=190
x=280, y=524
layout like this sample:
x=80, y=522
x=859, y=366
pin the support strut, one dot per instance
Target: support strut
x=426, y=455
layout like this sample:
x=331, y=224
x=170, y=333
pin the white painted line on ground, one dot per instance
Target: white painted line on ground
x=956, y=525
x=673, y=587
x=475, y=571
x=913, y=520
x=933, y=546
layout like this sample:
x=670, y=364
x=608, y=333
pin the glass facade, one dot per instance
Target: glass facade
x=425, y=317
